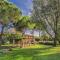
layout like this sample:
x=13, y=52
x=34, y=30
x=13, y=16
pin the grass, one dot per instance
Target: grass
x=34, y=52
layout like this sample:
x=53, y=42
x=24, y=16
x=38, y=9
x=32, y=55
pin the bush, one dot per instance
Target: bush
x=11, y=37
x=44, y=37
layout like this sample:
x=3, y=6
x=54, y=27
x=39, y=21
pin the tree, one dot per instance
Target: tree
x=48, y=12
x=14, y=38
x=31, y=26
x=22, y=24
x=8, y=13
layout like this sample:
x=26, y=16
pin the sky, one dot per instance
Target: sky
x=24, y=5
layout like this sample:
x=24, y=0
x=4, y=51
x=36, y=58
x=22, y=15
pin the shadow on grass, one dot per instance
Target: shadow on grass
x=47, y=57
x=29, y=51
x=32, y=54
x=27, y=54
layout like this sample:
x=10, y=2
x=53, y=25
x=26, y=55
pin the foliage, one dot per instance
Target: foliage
x=22, y=23
x=31, y=25
x=14, y=37
x=8, y=12
x=44, y=37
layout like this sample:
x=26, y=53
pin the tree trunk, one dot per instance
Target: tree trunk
x=55, y=39
x=1, y=40
x=39, y=34
x=33, y=36
x=55, y=28
x=13, y=42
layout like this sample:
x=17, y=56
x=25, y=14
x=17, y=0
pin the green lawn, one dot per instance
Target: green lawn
x=37, y=52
